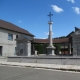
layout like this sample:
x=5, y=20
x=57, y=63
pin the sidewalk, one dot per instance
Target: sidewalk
x=45, y=66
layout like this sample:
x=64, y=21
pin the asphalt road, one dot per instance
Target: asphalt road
x=16, y=73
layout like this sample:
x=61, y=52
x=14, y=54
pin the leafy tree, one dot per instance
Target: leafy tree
x=39, y=48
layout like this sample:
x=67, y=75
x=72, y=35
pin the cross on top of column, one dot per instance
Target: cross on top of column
x=50, y=16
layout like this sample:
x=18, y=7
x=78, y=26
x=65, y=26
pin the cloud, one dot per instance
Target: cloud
x=19, y=21
x=57, y=9
x=73, y=1
x=76, y=10
x=43, y=38
x=47, y=33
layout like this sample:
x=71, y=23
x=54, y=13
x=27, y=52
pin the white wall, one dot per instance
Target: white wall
x=8, y=46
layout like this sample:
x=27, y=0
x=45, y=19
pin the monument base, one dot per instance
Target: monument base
x=50, y=50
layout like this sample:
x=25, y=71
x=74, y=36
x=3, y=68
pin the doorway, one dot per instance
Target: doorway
x=0, y=50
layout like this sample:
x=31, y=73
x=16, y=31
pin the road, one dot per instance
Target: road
x=17, y=73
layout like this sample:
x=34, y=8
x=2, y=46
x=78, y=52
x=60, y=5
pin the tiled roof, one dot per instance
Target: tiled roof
x=12, y=27
x=62, y=40
x=69, y=35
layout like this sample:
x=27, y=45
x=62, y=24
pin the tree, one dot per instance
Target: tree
x=39, y=48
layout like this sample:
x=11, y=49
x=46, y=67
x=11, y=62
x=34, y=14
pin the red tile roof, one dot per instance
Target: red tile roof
x=12, y=27
x=62, y=40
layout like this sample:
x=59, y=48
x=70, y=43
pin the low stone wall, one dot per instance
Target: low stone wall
x=67, y=60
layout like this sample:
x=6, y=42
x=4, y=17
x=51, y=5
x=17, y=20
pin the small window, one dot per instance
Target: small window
x=16, y=36
x=10, y=36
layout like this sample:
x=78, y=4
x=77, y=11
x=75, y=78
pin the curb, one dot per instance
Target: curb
x=75, y=68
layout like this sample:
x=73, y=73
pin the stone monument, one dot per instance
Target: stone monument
x=50, y=48
x=23, y=46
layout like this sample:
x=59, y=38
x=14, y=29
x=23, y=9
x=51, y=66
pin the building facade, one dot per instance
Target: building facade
x=8, y=33
x=76, y=42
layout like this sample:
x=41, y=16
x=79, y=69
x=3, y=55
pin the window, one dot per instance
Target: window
x=10, y=36
x=16, y=36
x=1, y=50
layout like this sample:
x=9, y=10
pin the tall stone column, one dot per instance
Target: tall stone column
x=28, y=49
x=50, y=48
x=50, y=33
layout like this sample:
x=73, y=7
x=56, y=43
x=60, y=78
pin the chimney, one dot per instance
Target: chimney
x=76, y=29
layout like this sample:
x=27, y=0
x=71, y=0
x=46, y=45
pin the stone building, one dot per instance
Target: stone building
x=8, y=33
x=76, y=41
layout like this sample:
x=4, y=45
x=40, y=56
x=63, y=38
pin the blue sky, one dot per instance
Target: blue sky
x=32, y=15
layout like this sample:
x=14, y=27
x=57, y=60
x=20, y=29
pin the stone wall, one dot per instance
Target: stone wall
x=23, y=46
x=47, y=60
x=76, y=44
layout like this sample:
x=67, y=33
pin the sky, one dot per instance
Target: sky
x=31, y=15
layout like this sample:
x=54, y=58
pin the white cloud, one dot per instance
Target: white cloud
x=57, y=9
x=47, y=33
x=76, y=10
x=71, y=1
x=43, y=38
x=19, y=21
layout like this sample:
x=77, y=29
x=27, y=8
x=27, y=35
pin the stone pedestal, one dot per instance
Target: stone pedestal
x=36, y=53
x=59, y=52
x=50, y=50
